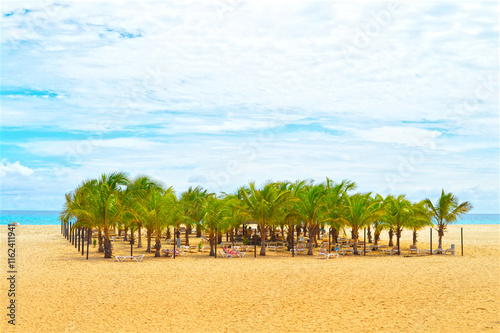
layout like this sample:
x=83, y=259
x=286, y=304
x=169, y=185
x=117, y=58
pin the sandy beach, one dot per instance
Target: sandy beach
x=59, y=291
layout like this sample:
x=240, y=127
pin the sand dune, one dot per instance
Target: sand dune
x=60, y=291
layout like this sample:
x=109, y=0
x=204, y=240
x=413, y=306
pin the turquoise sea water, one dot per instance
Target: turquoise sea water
x=25, y=217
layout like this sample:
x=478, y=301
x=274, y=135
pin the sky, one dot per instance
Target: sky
x=399, y=97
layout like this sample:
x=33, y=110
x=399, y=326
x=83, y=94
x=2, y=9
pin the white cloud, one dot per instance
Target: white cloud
x=409, y=136
x=8, y=169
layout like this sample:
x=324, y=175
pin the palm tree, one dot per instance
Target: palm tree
x=397, y=213
x=446, y=210
x=262, y=206
x=192, y=204
x=420, y=218
x=216, y=217
x=100, y=204
x=135, y=194
x=158, y=210
x=312, y=209
x=360, y=211
x=334, y=202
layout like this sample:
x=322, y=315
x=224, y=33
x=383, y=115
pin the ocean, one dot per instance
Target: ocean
x=33, y=217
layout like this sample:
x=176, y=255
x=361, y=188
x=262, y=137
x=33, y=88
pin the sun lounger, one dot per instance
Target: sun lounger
x=170, y=252
x=450, y=250
x=324, y=254
x=205, y=248
x=280, y=247
x=193, y=248
x=436, y=251
x=345, y=249
x=390, y=251
x=231, y=254
x=361, y=250
x=300, y=248
x=136, y=258
x=413, y=249
x=272, y=246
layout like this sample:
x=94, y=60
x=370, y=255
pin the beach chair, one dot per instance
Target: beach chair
x=232, y=254
x=439, y=250
x=390, y=251
x=170, y=252
x=450, y=250
x=272, y=246
x=193, y=248
x=280, y=247
x=413, y=249
x=300, y=248
x=361, y=250
x=136, y=258
x=345, y=249
x=324, y=254
x=205, y=248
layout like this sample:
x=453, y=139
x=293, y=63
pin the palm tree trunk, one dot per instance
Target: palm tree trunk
x=158, y=246
x=376, y=237
x=440, y=234
x=139, y=242
x=355, y=235
x=369, y=233
x=212, y=243
x=187, y=232
x=312, y=239
x=148, y=248
x=107, y=247
x=263, y=241
x=398, y=236
x=391, y=234
x=335, y=235
x=99, y=237
x=414, y=236
x=198, y=230
x=125, y=237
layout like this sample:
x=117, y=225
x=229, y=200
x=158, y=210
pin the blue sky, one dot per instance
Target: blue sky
x=400, y=97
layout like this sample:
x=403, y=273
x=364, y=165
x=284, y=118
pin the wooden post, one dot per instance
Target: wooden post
x=175, y=241
x=89, y=233
x=293, y=241
x=255, y=244
x=83, y=240
x=462, y=240
x=79, y=237
x=329, y=242
x=364, y=243
x=215, y=245
x=431, y=241
x=398, y=233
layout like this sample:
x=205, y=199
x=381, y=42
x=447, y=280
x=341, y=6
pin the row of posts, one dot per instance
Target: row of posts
x=77, y=236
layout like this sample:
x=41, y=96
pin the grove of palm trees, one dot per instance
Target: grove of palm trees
x=301, y=208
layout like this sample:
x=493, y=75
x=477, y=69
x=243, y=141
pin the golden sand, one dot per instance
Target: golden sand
x=59, y=291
